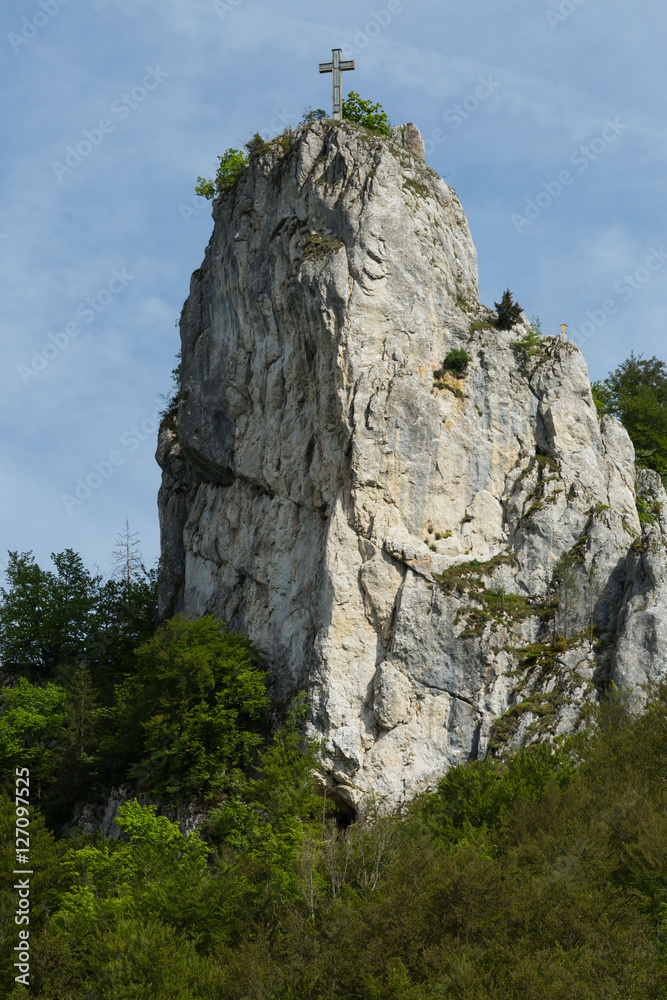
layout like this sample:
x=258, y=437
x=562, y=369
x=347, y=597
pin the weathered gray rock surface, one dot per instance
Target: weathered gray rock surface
x=448, y=565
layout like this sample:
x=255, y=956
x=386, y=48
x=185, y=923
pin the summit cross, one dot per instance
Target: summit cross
x=336, y=66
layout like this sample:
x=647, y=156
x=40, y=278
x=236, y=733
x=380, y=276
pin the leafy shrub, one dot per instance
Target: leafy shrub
x=116, y=877
x=371, y=116
x=311, y=116
x=317, y=245
x=32, y=724
x=256, y=145
x=648, y=511
x=479, y=794
x=456, y=362
x=529, y=346
x=509, y=311
x=230, y=167
x=189, y=712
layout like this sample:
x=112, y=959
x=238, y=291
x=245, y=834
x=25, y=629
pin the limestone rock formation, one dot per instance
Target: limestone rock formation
x=448, y=562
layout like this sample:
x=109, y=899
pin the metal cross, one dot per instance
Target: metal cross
x=336, y=66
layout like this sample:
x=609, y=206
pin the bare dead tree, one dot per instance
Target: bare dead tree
x=127, y=554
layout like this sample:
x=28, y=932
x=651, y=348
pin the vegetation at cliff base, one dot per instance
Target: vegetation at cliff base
x=183, y=719
x=52, y=619
x=540, y=876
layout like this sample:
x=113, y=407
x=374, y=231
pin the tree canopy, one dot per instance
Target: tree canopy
x=50, y=620
x=636, y=393
x=187, y=716
x=372, y=116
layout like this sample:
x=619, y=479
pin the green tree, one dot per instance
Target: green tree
x=52, y=620
x=150, y=872
x=45, y=616
x=189, y=713
x=509, y=311
x=371, y=116
x=124, y=618
x=230, y=167
x=636, y=393
x=76, y=761
x=32, y=723
x=476, y=796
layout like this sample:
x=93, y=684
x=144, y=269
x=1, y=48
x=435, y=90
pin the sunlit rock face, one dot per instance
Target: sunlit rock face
x=440, y=558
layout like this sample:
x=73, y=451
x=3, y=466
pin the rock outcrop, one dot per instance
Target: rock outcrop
x=449, y=563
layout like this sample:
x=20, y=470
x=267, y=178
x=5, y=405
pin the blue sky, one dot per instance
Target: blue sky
x=547, y=117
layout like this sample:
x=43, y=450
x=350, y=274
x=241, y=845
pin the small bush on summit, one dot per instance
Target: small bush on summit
x=256, y=145
x=372, y=116
x=509, y=311
x=311, y=115
x=230, y=167
x=456, y=362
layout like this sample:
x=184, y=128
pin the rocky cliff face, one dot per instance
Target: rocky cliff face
x=448, y=565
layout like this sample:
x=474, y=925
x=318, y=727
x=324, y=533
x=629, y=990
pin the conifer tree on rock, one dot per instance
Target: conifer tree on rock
x=509, y=311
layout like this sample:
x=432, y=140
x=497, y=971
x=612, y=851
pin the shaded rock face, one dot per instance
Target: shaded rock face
x=443, y=560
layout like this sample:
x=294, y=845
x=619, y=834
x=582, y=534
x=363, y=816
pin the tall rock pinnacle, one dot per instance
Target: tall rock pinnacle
x=447, y=563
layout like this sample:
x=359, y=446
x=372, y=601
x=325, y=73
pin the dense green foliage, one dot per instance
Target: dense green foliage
x=509, y=311
x=96, y=698
x=542, y=877
x=636, y=393
x=231, y=165
x=50, y=621
x=370, y=116
x=456, y=362
x=183, y=720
